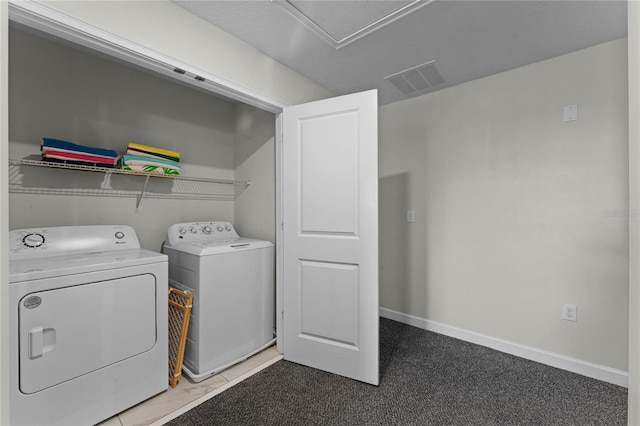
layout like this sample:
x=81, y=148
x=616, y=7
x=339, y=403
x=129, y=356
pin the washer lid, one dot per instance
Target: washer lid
x=56, y=266
x=206, y=248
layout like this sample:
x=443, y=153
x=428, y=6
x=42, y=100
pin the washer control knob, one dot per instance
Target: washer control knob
x=219, y=228
x=206, y=229
x=227, y=228
x=33, y=240
x=193, y=230
x=182, y=231
x=119, y=235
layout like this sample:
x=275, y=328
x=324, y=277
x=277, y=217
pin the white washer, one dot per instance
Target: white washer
x=232, y=279
x=88, y=326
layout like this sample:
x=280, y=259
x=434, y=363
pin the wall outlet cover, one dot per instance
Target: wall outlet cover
x=570, y=113
x=569, y=312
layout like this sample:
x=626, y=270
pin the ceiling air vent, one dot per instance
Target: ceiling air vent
x=416, y=79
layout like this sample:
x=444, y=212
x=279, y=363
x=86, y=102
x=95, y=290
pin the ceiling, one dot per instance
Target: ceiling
x=350, y=46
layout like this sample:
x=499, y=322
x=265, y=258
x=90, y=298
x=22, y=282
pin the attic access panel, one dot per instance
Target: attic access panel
x=340, y=23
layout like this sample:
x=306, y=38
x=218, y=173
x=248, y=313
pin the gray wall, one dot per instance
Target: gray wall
x=516, y=211
x=255, y=212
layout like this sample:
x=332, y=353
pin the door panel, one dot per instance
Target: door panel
x=71, y=331
x=330, y=202
x=330, y=211
x=329, y=284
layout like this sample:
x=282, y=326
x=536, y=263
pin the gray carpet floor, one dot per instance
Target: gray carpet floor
x=426, y=379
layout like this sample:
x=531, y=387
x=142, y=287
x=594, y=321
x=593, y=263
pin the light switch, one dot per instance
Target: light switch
x=570, y=113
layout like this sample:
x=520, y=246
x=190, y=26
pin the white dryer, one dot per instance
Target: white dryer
x=88, y=326
x=233, y=281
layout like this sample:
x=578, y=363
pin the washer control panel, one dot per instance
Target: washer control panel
x=63, y=240
x=200, y=231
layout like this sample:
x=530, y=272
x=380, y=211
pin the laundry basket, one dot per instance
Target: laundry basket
x=180, y=303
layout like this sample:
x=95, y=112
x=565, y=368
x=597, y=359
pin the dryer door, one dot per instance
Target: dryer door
x=72, y=331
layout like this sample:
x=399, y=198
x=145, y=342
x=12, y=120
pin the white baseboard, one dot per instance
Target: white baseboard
x=589, y=369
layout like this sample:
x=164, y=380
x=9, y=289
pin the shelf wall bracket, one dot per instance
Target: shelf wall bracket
x=146, y=181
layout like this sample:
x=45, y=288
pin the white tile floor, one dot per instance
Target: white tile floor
x=167, y=405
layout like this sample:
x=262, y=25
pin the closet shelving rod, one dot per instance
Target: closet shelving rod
x=183, y=187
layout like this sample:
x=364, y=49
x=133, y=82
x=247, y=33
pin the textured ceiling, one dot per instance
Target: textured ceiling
x=466, y=39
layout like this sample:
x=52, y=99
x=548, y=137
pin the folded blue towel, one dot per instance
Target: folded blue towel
x=56, y=143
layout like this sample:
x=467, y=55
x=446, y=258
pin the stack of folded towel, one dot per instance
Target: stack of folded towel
x=148, y=159
x=59, y=151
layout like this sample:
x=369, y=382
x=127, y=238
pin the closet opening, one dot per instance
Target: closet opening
x=64, y=88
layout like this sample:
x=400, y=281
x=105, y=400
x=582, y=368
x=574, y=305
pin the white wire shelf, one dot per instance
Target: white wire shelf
x=106, y=182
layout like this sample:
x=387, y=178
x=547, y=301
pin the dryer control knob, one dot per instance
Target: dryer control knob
x=206, y=229
x=227, y=228
x=182, y=231
x=33, y=240
x=219, y=228
x=193, y=230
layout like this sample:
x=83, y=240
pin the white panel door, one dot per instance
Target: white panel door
x=330, y=215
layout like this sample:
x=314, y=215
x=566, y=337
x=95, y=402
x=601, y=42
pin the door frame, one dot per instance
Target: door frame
x=4, y=215
x=51, y=22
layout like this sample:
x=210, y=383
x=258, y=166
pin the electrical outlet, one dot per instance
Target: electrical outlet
x=570, y=113
x=569, y=312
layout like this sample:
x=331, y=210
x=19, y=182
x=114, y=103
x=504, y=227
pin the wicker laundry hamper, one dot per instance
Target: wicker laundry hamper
x=180, y=303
